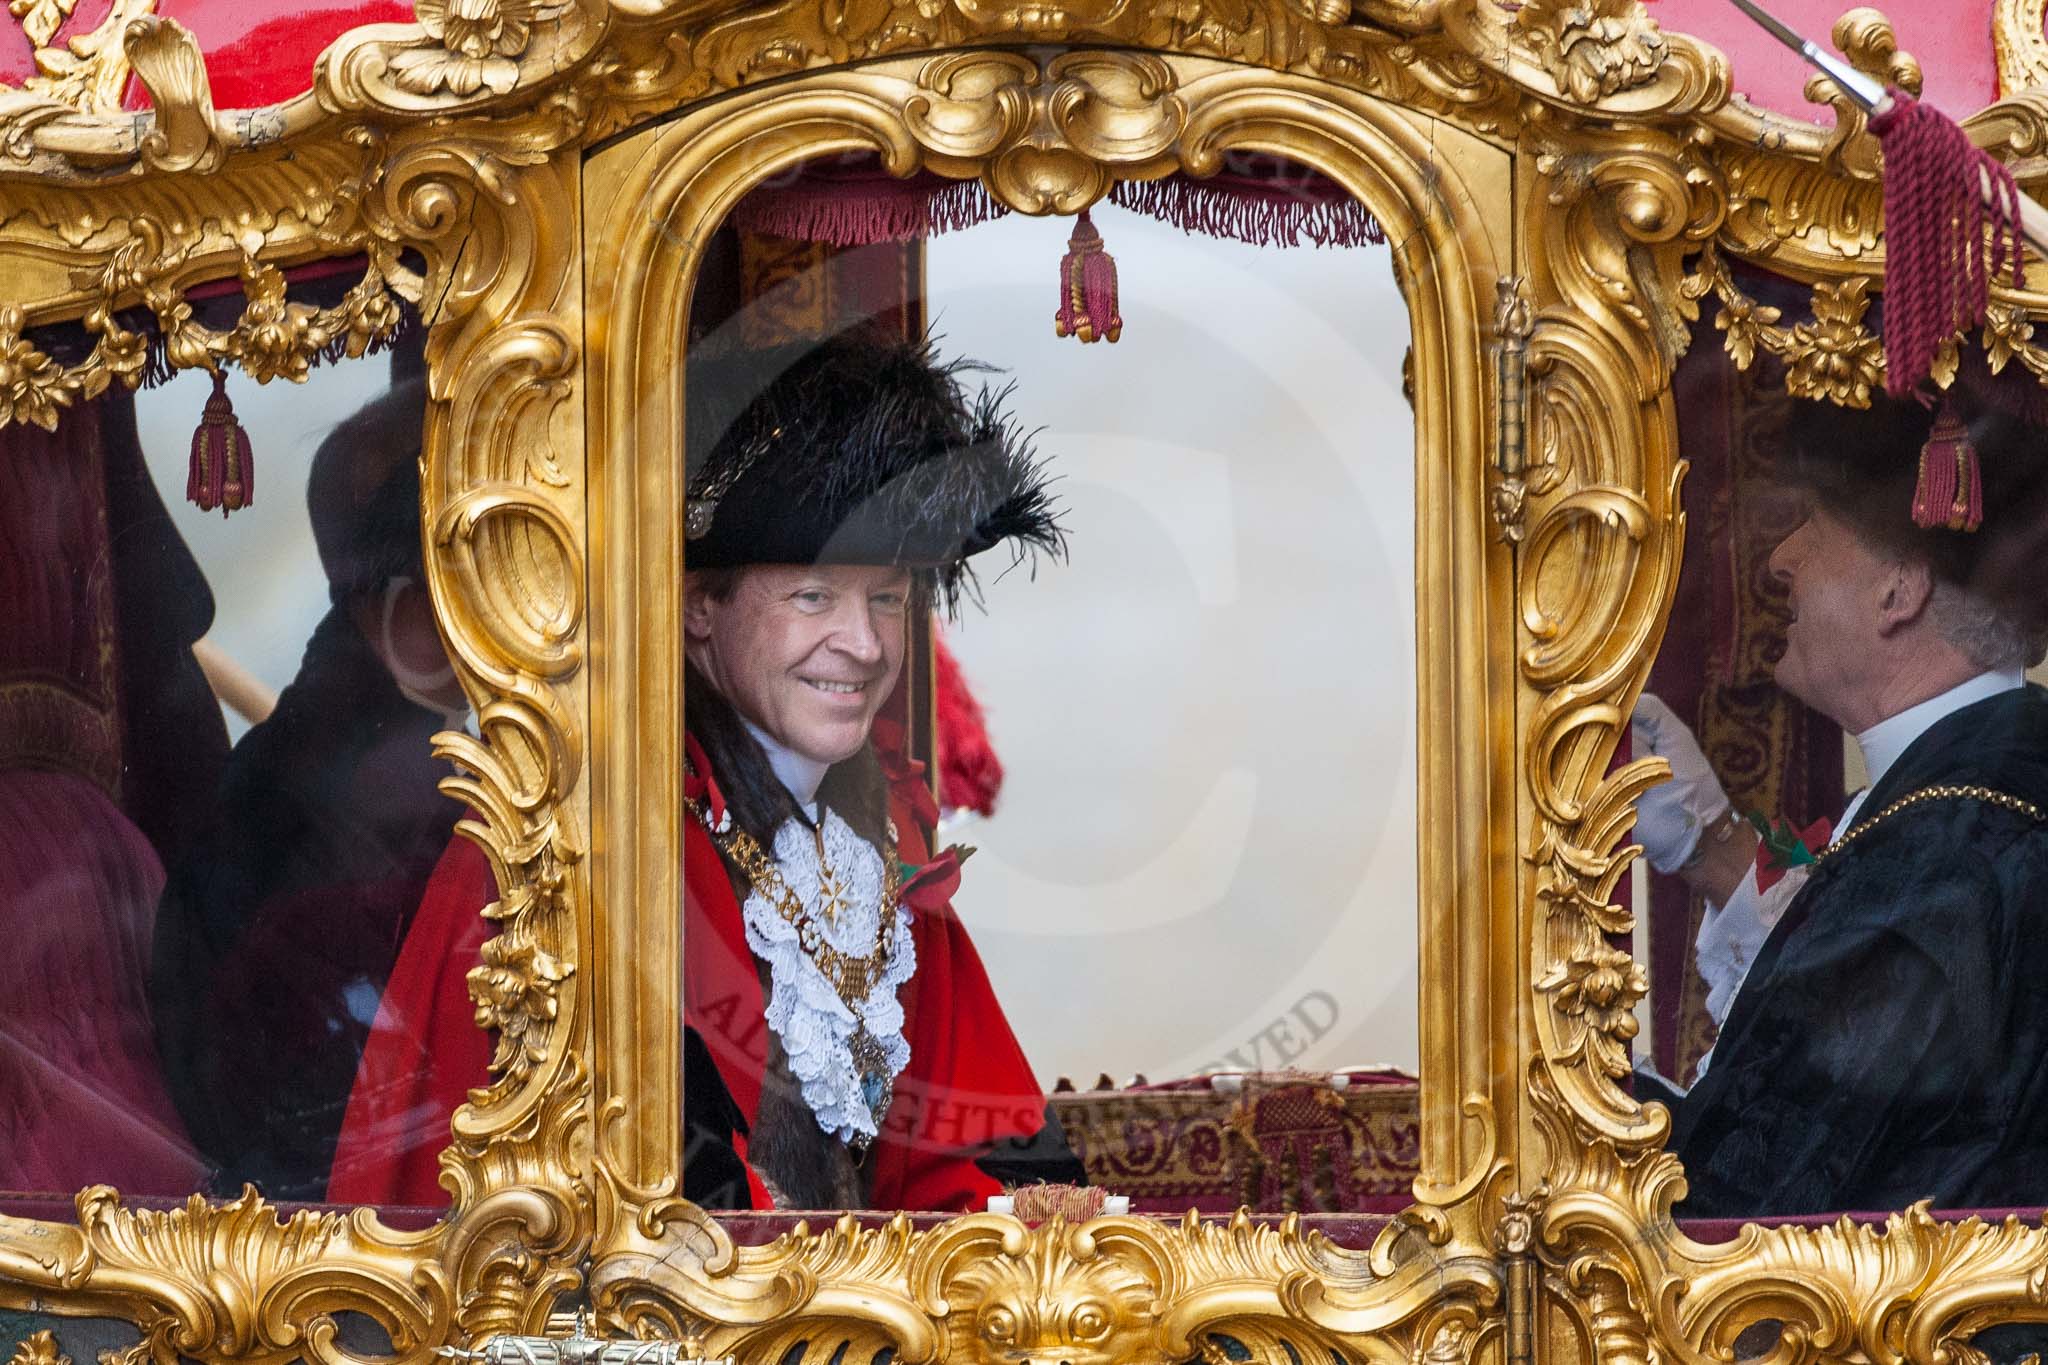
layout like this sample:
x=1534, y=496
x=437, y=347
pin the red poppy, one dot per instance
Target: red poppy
x=930, y=888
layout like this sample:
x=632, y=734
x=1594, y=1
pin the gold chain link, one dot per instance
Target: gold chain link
x=1925, y=794
x=852, y=977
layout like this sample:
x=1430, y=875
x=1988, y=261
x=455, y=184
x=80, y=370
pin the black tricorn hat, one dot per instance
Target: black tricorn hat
x=853, y=450
x=1864, y=466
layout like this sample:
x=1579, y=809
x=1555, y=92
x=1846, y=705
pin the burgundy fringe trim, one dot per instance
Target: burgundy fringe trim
x=1262, y=215
x=860, y=204
x=862, y=212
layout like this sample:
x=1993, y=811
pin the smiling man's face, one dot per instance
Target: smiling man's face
x=806, y=653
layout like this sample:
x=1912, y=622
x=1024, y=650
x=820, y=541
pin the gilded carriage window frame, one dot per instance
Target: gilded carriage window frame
x=1542, y=1223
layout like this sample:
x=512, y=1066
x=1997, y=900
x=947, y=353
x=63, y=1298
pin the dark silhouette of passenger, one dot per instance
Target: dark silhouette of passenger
x=279, y=927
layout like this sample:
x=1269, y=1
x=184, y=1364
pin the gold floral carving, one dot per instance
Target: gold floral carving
x=39, y=1348
x=478, y=41
x=1593, y=48
x=988, y=1289
x=273, y=338
x=1834, y=356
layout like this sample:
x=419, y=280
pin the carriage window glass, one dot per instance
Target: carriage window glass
x=1838, y=878
x=1181, y=750
x=216, y=765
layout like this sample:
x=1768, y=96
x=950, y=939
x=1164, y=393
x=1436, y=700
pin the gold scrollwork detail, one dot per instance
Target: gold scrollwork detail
x=1045, y=135
x=234, y=1279
x=987, y=1288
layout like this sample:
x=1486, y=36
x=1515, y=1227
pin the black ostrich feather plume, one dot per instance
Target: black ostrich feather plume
x=857, y=451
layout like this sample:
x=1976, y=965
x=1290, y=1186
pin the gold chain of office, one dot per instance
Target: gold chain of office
x=1924, y=795
x=852, y=977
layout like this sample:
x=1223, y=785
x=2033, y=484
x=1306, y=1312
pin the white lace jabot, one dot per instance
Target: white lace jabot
x=814, y=1024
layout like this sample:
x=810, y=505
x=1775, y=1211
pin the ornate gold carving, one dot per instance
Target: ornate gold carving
x=1832, y=357
x=1045, y=137
x=1593, y=49
x=40, y=19
x=2019, y=38
x=167, y=58
x=39, y=1348
x=231, y=1279
x=274, y=337
x=1046, y=130
x=31, y=384
x=463, y=138
x=478, y=41
x=89, y=73
x=986, y=1288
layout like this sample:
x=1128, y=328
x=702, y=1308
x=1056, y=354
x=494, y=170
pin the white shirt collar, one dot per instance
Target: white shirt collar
x=1883, y=742
x=801, y=775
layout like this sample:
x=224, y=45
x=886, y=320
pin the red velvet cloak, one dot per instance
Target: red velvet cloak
x=967, y=1085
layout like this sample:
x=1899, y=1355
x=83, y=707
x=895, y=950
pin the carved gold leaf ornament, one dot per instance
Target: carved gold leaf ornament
x=478, y=41
x=32, y=386
x=39, y=1348
x=273, y=338
x=40, y=19
x=1594, y=48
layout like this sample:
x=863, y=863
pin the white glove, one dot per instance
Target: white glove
x=1671, y=815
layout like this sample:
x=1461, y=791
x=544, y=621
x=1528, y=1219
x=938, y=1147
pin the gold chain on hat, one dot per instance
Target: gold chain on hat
x=1925, y=794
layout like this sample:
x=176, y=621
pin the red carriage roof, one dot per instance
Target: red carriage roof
x=257, y=52
x=261, y=53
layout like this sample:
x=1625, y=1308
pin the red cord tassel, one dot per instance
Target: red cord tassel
x=222, y=474
x=1088, y=306
x=1950, y=492
x=1938, y=263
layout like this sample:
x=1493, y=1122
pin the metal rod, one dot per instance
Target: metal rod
x=1874, y=98
x=1866, y=91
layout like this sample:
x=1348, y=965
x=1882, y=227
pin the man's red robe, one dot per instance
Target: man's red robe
x=967, y=1086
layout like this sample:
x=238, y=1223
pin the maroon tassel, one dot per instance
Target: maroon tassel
x=1950, y=492
x=222, y=474
x=1938, y=264
x=1087, y=288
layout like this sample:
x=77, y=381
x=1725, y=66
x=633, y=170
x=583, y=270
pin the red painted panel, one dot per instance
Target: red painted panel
x=1952, y=39
x=257, y=52
x=260, y=53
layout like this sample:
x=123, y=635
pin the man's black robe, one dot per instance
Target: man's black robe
x=1891, y=1041
x=277, y=931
